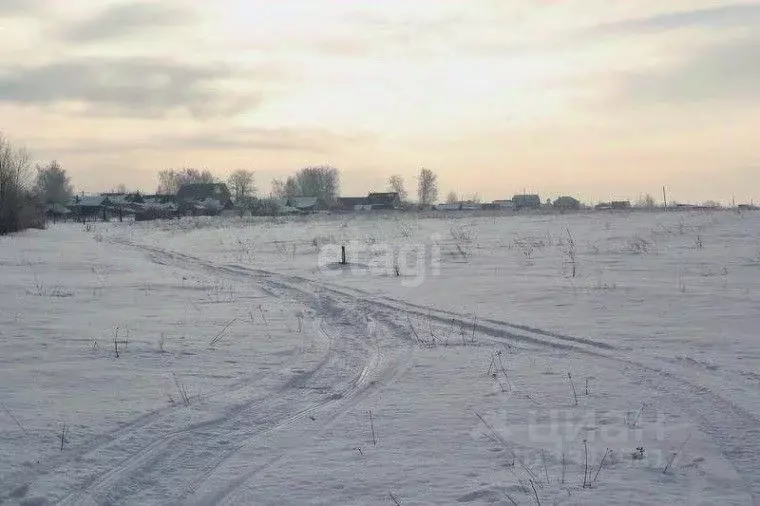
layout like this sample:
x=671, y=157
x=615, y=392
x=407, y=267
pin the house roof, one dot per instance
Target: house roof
x=386, y=198
x=567, y=201
x=123, y=198
x=304, y=202
x=526, y=200
x=88, y=201
x=203, y=191
x=163, y=199
x=57, y=208
x=353, y=201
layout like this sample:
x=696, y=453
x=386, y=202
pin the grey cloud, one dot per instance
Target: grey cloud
x=723, y=16
x=14, y=7
x=127, y=86
x=237, y=139
x=255, y=139
x=724, y=72
x=126, y=19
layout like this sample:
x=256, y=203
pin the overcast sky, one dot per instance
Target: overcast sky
x=594, y=98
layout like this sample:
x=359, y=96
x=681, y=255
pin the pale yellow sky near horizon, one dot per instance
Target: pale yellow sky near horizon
x=585, y=97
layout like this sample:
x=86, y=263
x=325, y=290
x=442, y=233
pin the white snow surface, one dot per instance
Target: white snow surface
x=234, y=361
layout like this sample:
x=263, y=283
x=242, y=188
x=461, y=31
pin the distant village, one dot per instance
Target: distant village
x=215, y=199
x=32, y=196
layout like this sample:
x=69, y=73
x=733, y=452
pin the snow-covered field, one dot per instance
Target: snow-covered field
x=455, y=360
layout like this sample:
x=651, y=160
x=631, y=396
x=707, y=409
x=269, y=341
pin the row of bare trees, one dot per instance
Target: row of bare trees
x=427, y=187
x=23, y=194
x=241, y=182
x=324, y=184
x=321, y=182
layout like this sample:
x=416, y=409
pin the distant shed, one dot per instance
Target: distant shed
x=526, y=201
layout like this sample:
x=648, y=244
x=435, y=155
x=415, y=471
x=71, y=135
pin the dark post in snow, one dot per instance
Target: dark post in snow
x=342, y=255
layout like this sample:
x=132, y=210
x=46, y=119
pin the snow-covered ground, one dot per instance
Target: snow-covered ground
x=457, y=359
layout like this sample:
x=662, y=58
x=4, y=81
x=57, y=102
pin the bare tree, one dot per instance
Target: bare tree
x=168, y=182
x=291, y=188
x=53, y=184
x=427, y=189
x=396, y=184
x=278, y=189
x=17, y=208
x=452, y=198
x=241, y=184
x=646, y=202
x=171, y=180
x=322, y=182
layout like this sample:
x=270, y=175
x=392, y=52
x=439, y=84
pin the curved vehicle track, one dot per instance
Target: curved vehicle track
x=364, y=345
x=735, y=430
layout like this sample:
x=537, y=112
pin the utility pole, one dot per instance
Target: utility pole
x=665, y=198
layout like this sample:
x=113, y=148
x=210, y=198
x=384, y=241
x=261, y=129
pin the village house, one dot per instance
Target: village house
x=567, y=204
x=374, y=201
x=354, y=204
x=56, y=212
x=616, y=205
x=526, y=201
x=208, y=199
x=305, y=204
x=90, y=207
x=387, y=200
x=154, y=207
x=503, y=204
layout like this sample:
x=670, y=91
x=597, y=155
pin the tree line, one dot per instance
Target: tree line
x=25, y=190
x=320, y=182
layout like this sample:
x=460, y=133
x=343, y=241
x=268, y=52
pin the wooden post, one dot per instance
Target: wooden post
x=664, y=198
x=342, y=255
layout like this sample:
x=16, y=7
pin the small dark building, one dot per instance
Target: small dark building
x=620, y=205
x=567, y=204
x=388, y=200
x=56, y=211
x=526, y=202
x=353, y=203
x=617, y=205
x=204, y=198
x=305, y=204
x=90, y=207
x=155, y=207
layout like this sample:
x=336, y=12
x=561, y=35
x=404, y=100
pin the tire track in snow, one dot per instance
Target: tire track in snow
x=159, y=456
x=184, y=448
x=732, y=428
x=230, y=492
x=153, y=446
x=114, y=438
x=398, y=364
